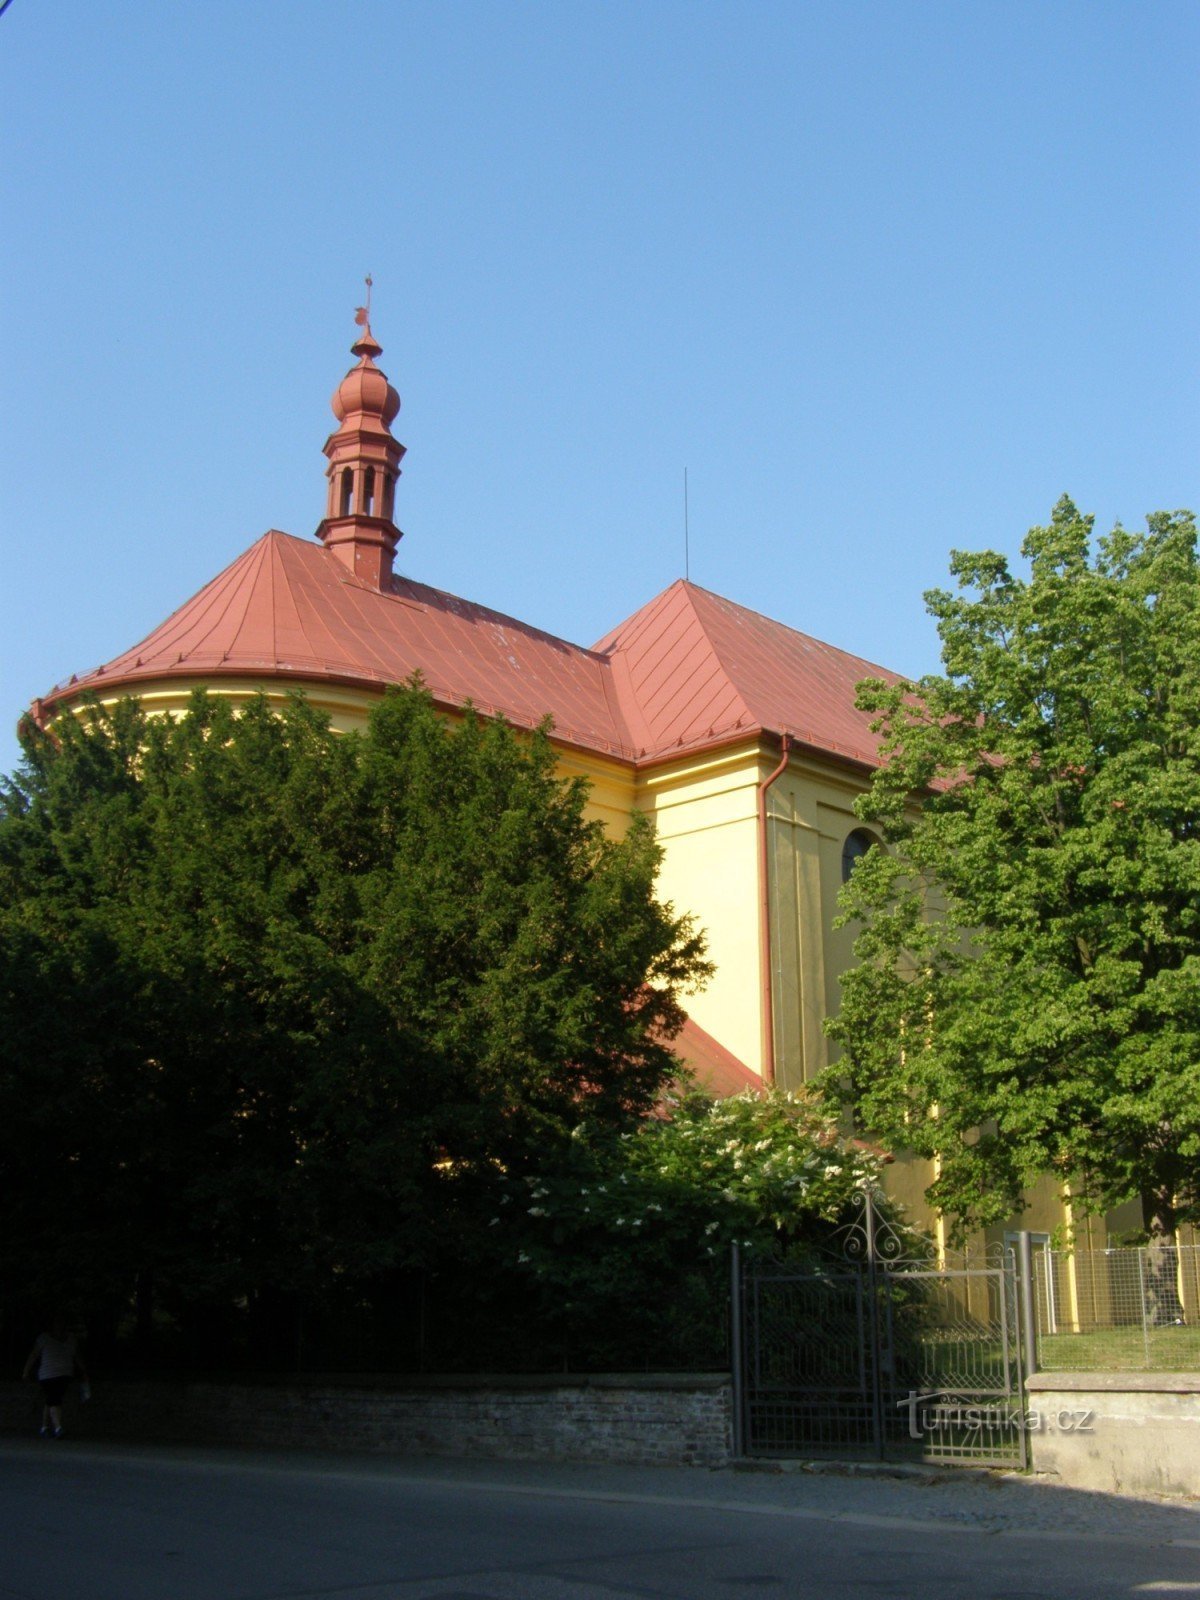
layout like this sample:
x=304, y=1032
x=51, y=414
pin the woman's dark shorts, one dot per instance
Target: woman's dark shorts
x=54, y=1390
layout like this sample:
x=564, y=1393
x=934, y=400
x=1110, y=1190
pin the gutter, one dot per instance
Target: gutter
x=764, y=917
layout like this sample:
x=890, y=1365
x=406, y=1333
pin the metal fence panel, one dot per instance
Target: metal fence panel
x=896, y=1361
x=1103, y=1310
x=812, y=1380
x=958, y=1376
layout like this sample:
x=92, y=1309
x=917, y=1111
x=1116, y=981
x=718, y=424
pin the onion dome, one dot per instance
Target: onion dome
x=365, y=391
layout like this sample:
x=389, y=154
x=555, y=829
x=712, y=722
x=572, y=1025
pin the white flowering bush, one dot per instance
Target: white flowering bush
x=774, y=1163
x=625, y=1245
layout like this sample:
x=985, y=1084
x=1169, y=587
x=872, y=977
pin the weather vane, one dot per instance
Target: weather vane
x=363, y=314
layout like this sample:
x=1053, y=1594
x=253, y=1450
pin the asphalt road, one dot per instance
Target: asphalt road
x=93, y=1522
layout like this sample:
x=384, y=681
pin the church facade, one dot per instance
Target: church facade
x=738, y=735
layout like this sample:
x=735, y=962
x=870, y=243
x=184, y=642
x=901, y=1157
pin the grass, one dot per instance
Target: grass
x=1121, y=1349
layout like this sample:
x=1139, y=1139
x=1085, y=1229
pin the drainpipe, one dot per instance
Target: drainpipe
x=764, y=917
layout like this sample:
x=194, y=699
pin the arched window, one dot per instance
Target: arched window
x=369, y=493
x=855, y=848
x=347, y=492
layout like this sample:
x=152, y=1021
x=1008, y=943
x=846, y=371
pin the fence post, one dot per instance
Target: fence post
x=877, y=1297
x=736, y=1363
x=1028, y=1304
x=1141, y=1259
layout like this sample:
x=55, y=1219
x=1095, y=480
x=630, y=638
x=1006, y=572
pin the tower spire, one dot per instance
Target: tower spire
x=364, y=464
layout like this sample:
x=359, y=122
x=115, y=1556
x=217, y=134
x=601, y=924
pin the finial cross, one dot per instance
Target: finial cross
x=363, y=314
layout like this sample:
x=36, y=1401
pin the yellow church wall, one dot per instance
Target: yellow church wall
x=1047, y=1210
x=705, y=810
x=610, y=783
x=809, y=813
x=346, y=708
x=905, y=1179
x=797, y=942
x=611, y=787
x=1127, y=1220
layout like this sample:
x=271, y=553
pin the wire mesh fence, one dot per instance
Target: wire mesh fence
x=1134, y=1308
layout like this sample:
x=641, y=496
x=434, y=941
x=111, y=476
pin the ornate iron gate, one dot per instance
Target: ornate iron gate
x=875, y=1356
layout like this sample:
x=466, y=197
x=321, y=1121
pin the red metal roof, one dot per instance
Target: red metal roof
x=288, y=608
x=693, y=668
x=689, y=669
x=716, y=1069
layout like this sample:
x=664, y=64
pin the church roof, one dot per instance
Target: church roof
x=689, y=670
x=694, y=668
x=288, y=608
x=716, y=1070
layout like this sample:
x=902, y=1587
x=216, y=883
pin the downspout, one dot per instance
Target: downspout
x=764, y=917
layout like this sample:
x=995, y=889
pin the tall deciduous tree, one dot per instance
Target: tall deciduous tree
x=1028, y=994
x=270, y=996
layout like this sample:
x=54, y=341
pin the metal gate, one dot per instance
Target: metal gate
x=878, y=1357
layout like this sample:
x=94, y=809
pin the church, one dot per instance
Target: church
x=739, y=736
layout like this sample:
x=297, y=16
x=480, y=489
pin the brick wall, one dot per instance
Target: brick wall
x=671, y=1418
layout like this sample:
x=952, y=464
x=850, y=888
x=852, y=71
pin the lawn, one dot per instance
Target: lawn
x=1121, y=1349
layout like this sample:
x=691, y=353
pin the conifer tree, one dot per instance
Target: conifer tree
x=270, y=995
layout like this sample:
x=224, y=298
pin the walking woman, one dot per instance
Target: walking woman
x=54, y=1361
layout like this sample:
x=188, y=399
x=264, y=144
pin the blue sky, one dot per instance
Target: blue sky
x=887, y=279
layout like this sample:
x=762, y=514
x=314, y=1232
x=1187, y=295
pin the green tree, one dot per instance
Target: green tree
x=273, y=999
x=1028, y=993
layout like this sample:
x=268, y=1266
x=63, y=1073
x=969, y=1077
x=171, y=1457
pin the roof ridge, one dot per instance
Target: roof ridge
x=501, y=616
x=734, y=686
x=775, y=622
x=602, y=646
x=674, y=687
x=217, y=592
x=262, y=549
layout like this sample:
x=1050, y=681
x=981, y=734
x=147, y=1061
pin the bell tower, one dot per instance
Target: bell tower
x=364, y=464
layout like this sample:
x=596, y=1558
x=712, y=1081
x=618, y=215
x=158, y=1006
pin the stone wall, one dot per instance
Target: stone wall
x=1122, y=1432
x=669, y=1418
